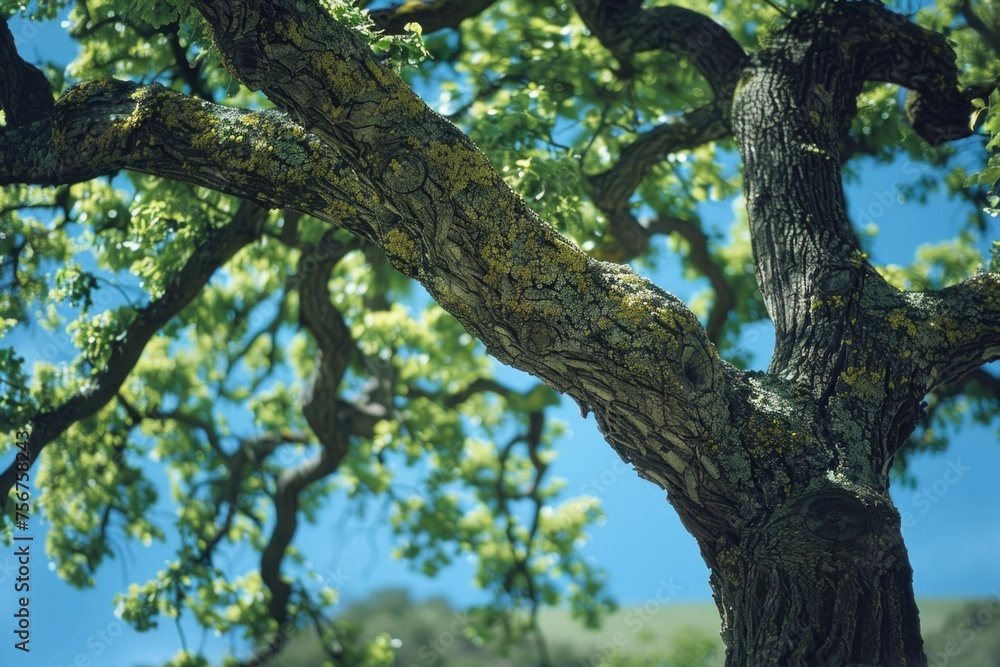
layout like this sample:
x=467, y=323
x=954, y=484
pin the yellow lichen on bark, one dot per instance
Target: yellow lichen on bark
x=458, y=165
x=401, y=248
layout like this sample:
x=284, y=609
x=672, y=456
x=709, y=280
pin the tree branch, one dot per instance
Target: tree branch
x=536, y=301
x=612, y=189
x=809, y=264
x=961, y=328
x=216, y=247
x=701, y=258
x=867, y=352
x=384, y=166
x=885, y=46
x=101, y=127
x=625, y=29
x=335, y=345
x=432, y=15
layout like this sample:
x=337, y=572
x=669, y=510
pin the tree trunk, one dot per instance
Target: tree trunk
x=820, y=575
x=780, y=476
x=825, y=581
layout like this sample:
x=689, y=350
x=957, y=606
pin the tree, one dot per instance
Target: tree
x=585, y=110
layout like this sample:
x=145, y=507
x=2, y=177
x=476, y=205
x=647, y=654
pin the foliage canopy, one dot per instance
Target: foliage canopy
x=268, y=362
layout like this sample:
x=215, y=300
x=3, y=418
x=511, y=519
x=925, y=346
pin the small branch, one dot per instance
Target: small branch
x=989, y=382
x=320, y=400
x=961, y=328
x=701, y=258
x=290, y=486
x=432, y=16
x=335, y=345
x=613, y=188
x=192, y=75
x=478, y=386
x=776, y=7
x=203, y=424
x=625, y=29
x=216, y=247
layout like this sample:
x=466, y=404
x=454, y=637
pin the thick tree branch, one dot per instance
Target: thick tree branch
x=432, y=15
x=536, y=301
x=866, y=352
x=102, y=127
x=544, y=308
x=801, y=94
x=216, y=247
x=885, y=46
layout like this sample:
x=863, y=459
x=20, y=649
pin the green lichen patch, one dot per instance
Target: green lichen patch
x=868, y=384
x=899, y=319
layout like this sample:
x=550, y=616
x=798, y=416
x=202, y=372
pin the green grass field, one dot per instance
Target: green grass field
x=641, y=631
x=957, y=632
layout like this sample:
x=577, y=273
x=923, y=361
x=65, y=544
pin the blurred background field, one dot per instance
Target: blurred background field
x=958, y=633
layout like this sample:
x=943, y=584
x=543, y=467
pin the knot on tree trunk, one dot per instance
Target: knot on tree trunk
x=835, y=515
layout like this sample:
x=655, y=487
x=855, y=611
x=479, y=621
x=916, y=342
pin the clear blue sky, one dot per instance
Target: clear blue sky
x=951, y=530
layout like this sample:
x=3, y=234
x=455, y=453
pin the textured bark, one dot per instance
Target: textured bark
x=822, y=577
x=780, y=476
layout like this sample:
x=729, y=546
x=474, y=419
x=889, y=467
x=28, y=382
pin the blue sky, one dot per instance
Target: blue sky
x=949, y=517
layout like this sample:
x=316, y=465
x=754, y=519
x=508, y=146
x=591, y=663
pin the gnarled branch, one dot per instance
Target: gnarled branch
x=216, y=247
x=625, y=29
x=536, y=301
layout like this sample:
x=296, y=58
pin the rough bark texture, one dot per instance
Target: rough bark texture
x=780, y=476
